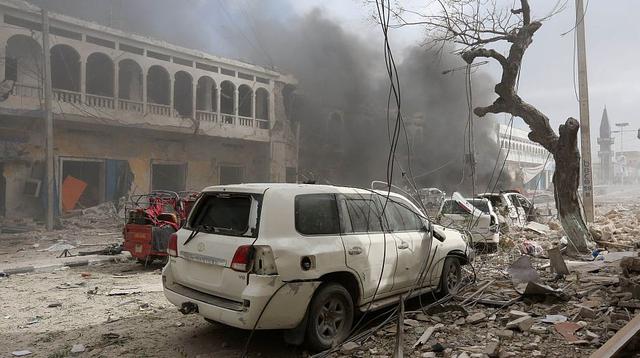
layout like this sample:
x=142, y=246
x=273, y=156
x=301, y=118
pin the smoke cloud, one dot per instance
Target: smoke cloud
x=341, y=100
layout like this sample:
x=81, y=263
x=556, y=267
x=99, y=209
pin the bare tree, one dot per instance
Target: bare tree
x=480, y=29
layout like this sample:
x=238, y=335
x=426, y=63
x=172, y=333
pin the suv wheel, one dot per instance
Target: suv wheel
x=330, y=317
x=451, y=276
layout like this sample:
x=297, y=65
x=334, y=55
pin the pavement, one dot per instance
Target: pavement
x=52, y=264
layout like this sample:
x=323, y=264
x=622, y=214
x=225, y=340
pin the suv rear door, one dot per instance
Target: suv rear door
x=219, y=224
x=369, y=251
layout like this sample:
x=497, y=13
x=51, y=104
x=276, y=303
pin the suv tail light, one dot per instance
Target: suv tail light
x=242, y=259
x=172, y=248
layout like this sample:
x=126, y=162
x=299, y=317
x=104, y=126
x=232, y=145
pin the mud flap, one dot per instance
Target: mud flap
x=295, y=336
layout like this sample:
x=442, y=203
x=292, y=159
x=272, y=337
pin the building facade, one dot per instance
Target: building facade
x=131, y=109
x=528, y=163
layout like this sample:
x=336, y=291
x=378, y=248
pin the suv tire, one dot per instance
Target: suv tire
x=451, y=276
x=330, y=317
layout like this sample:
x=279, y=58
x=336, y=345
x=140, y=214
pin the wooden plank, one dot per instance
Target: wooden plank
x=614, y=345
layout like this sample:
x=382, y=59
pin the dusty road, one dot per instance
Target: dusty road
x=141, y=324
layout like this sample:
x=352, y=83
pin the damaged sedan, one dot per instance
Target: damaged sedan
x=307, y=259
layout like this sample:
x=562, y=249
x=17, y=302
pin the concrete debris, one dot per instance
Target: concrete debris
x=349, y=347
x=78, y=348
x=21, y=353
x=523, y=323
x=476, y=318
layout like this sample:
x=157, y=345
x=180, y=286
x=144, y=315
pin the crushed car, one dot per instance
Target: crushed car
x=476, y=215
x=513, y=208
x=306, y=258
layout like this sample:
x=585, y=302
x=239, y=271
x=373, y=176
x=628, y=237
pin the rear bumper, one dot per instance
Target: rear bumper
x=285, y=310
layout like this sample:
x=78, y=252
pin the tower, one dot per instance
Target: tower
x=605, y=141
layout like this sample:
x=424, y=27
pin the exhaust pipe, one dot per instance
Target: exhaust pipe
x=188, y=308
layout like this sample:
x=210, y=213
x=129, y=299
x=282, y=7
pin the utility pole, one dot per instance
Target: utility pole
x=48, y=118
x=585, y=130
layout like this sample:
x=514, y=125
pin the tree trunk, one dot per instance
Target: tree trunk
x=566, y=179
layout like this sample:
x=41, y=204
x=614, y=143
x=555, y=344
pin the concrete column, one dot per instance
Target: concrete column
x=144, y=91
x=171, y=82
x=193, y=98
x=116, y=83
x=235, y=101
x=83, y=78
x=218, y=102
x=272, y=107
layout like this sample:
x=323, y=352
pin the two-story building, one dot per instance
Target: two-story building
x=129, y=109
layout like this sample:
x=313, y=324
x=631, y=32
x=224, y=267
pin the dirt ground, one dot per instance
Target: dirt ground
x=140, y=324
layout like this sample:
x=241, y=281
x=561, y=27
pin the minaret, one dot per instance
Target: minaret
x=605, y=141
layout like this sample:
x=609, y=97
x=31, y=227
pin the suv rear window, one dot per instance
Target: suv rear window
x=317, y=214
x=232, y=214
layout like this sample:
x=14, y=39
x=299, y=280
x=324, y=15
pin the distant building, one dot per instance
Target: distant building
x=132, y=114
x=528, y=163
x=605, y=142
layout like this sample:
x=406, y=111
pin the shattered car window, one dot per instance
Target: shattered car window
x=227, y=214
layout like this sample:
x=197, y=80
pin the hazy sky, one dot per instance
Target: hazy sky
x=613, y=42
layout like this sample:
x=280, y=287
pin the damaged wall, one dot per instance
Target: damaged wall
x=203, y=158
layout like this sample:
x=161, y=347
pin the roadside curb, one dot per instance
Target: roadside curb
x=69, y=263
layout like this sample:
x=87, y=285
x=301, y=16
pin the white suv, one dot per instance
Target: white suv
x=306, y=258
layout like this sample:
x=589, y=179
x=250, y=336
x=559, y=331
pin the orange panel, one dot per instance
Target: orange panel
x=72, y=189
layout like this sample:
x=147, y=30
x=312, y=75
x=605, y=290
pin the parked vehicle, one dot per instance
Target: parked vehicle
x=514, y=209
x=151, y=219
x=431, y=197
x=305, y=258
x=474, y=214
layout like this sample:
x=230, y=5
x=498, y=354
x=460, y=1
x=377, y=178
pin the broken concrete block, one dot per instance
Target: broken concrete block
x=504, y=333
x=476, y=318
x=513, y=314
x=349, y=347
x=428, y=355
x=522, y=323
x=538, y=329
x=586, y=312
x=77, y=348
x=630, y=264
x=411, y=322
x=492, y=349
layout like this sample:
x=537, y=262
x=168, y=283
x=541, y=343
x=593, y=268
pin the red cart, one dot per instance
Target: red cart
x=151, y=219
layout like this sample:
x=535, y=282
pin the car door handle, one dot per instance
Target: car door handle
x=403, y=246
x=356, y=250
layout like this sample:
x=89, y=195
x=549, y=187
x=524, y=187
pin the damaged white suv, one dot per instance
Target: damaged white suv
x=305, y=258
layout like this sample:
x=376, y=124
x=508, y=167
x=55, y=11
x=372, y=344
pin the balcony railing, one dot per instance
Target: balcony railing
x=130, y=106
x=126, y=105
x=23, y=90
x=245, y=121
x=159, y=109
x=262, y=123
x=206, y=116
x=67, y=96
x=93, y=100
x=228, y=119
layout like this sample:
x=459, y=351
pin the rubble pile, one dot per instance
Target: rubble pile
x=103, y=215
x=528, y=299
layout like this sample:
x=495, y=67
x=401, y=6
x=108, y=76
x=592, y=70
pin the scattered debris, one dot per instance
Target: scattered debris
x=78, y=348
x=21, y=353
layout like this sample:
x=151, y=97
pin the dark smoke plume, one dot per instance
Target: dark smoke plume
x=341, y=100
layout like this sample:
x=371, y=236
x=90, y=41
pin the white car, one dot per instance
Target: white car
x=473, y=214
x=513, y=208
x=305, y=258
